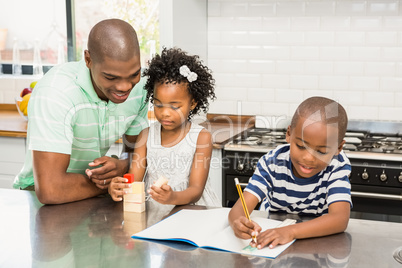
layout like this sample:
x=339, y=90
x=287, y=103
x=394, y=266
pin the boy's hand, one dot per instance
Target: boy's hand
x=118, y=187
x=273, y=237
x=245, y=229
x=163, y=194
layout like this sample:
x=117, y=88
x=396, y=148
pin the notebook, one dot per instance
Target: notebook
x=210, y=229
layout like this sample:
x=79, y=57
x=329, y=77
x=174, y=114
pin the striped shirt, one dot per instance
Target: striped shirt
x=278, y=189
x=66, y=116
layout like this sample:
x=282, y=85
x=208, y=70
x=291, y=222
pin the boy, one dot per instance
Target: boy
x=308, y=176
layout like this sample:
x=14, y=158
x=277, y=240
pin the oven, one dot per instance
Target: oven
x=375, y=157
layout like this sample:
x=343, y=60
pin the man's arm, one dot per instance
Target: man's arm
x=54, y=185
x=111, y=167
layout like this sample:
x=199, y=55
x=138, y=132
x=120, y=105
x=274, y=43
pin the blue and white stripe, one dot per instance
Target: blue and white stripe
x=275, y=186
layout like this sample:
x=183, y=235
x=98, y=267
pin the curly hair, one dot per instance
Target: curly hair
x=164, y=68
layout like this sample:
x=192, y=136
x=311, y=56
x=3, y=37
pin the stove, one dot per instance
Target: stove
x=376, y=160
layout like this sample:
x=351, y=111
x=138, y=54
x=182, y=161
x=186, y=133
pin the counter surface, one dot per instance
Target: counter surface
x=96, y=233
x=11, y=122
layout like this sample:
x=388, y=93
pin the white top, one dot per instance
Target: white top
x=175, y=163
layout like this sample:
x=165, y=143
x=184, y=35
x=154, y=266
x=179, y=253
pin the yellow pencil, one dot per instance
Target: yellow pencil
x=243, y=202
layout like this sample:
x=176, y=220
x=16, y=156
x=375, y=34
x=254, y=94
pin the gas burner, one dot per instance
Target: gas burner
x=355, y=134
x=349, y=147
x=258, y=131
x=260, y=137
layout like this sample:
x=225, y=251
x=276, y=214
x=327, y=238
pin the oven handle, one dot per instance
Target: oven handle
x=377, y=196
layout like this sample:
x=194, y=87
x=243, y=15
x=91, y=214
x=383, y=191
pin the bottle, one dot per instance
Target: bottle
x=17, y=68
x=152, y=49
x=60, y=52
x=1, y=65
x=37, y=62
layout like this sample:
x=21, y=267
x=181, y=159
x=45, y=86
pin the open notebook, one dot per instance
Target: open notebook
x=208, y=229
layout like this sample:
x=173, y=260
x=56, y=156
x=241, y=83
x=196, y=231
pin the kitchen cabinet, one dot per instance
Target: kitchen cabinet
x=115, y=149
x=215, y=172
x=12, y=158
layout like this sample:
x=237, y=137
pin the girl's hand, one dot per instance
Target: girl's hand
x=245, y=229
x=163, y=194
x=117, y=188
x=274, y=237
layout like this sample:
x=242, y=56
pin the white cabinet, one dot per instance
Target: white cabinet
x=12, y=156
x=115, y=149
x=215, y=172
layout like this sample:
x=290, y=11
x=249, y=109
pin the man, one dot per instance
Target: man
x=78, y=110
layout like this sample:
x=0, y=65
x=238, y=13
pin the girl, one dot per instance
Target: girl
x=173, y=147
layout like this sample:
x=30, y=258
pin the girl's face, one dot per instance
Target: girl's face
x=172, y=104
x=312, y=147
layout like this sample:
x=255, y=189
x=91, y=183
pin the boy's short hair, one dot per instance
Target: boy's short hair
x=325, y=110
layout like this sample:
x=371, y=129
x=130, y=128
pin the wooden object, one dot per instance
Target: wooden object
x=134, y=200
x=161, y=181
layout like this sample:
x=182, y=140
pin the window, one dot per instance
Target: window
x=26, y=25
x=143, y=15
x=30, y=26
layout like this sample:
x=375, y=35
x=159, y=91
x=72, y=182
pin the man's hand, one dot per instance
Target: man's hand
x=109, y=168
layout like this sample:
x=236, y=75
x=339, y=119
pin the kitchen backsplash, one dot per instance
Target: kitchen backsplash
x=11, y=86
x=268, y=56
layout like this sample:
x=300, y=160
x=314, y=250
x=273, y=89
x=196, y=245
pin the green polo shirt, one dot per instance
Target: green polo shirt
x=67, y=116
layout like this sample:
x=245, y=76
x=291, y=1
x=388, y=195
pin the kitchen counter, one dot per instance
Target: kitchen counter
x=11, y=122
x=222, y=127
x=96, y=233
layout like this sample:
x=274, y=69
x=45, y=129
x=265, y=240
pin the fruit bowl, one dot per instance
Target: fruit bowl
x=17, y=103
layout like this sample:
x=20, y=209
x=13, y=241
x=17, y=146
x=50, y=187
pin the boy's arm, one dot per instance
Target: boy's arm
x=242, y=227
x=334, y=222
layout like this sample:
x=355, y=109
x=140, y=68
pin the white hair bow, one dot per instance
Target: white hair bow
x=185, y=71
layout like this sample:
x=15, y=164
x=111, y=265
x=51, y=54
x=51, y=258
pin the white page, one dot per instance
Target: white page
x=209, y=228
x=228, y=241
x=189, y=225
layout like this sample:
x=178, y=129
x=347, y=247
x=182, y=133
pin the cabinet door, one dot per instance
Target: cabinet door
x=215, y=172
x=115, y=149
x=12, y=155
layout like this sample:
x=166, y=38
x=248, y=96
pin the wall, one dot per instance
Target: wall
x=183, y=23
x=268, y=56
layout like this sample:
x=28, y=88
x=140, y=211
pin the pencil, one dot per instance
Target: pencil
x=243, y=202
